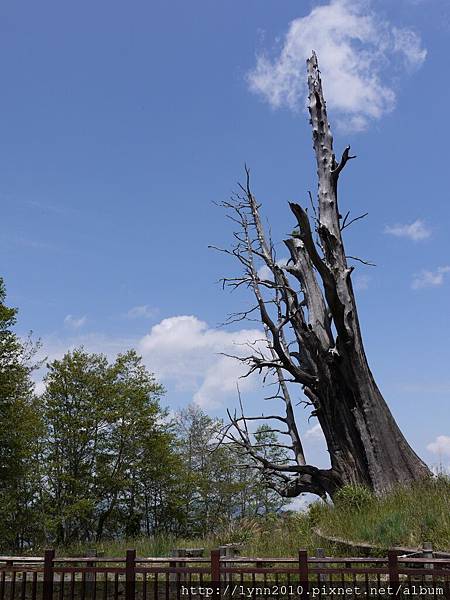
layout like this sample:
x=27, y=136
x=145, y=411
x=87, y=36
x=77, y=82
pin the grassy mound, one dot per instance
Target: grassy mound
x=404, y=517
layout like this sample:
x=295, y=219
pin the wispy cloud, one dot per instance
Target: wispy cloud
x=361, y=283
x=75, y=322
x=56, y=209
x=425, y=387
x=28, y=242
x=440, y=446
x=314, y=434
x=427, y=279
x=53, y=347
x=359, y=55
x=142, y=312
x=265, y=273
x=415, y=231
x=62, y=208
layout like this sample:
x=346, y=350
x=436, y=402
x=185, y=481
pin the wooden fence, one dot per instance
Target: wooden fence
x=131, y=578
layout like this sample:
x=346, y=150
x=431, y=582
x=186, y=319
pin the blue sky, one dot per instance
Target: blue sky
x=121, y=125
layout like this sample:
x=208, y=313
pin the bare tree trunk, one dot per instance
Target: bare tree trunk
x=314, y=338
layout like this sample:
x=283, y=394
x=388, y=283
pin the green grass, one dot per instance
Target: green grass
x=274, y=536
x=404, y=517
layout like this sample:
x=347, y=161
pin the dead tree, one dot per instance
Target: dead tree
x=313, y=338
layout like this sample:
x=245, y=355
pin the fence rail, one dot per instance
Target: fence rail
x=161, y=578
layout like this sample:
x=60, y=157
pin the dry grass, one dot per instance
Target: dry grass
x=405, y=517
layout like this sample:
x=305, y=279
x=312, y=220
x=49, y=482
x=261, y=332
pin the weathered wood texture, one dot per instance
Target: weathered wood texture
x=310, y=316
x=141, y=578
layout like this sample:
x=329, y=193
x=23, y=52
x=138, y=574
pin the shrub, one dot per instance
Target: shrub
x=239, y=531
x=315, y=512
x=353, y=497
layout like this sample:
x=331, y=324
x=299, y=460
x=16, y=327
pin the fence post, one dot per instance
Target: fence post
x=227, y=551
x=8, y=563
x=427, y=552
x=320, y=553
x=130, y=575
x=177, y=577
x=394, y=576
x=47, y=586
x=304, y=573
x=215, y=566
x=91, y=577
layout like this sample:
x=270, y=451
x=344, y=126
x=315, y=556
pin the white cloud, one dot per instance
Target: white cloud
x=182, y=351
x=356, y=50
x=409, y=45
x=142, y=312
x=301, y=503
x=75, y=322
x=426, y=278
x=219, y=383
x=265, y=273
x=185, y=351
x=314, y=434
x=414, y=231
x=441, y=445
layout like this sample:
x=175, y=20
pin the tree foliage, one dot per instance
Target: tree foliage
x=97, y=456
x=19, y=432
x=220, y=479
x=104, y=427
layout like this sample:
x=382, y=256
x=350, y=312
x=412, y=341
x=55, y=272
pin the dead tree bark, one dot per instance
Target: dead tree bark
x=310, y=317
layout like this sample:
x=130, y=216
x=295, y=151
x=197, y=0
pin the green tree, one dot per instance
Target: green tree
x=150, y=466
x=220, y=482
x=260, y=498
x=153, y=497
x=209, y=474
x=104, y=427
x=19, y=434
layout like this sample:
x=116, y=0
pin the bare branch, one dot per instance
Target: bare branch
x=313, y=339
x=345, y=224
x=364, y=262
x=345, y=158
